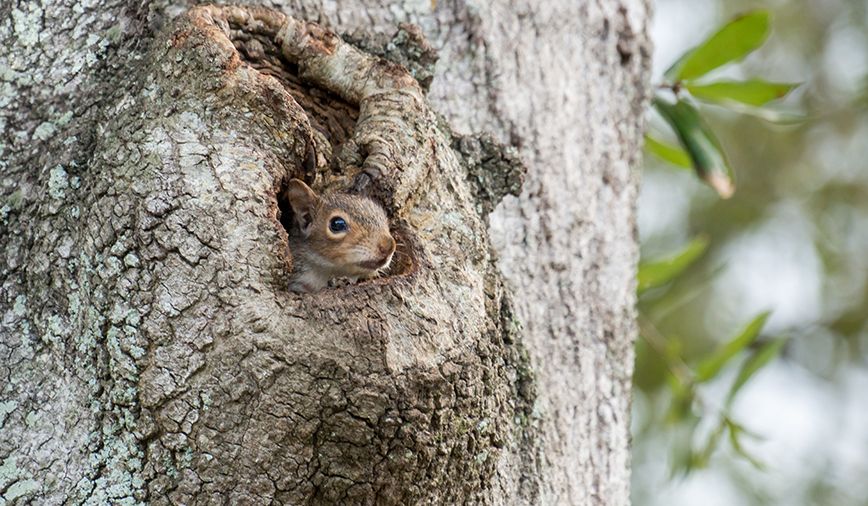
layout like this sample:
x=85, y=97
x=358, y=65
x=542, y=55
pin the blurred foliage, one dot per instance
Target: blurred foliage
x=714, y=312
x=660, y=271
x=733, y=42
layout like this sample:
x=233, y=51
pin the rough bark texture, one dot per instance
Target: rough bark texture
x=149, y=349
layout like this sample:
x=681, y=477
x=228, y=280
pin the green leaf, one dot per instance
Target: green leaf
x=770, y=115
x=700, y=143
x=761, y=356
x=733, y=42
x=661, y=271
x=682, y=446
x=672, y=154
x=754, y=92
x=711, y=366
x=735, y=432
x=681, y=407
x=701, y=457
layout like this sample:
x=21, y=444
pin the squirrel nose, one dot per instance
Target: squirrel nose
x=386, y=246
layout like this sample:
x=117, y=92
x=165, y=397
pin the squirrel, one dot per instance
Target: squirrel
x=337, y=236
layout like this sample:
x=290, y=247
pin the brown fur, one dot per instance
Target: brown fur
x=319, y=254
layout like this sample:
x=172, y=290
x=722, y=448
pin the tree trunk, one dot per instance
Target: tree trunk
x=150, y=350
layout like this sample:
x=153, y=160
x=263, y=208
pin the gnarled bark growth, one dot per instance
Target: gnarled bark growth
x=380, y=392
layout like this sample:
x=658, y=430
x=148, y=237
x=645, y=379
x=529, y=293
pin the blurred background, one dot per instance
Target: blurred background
x=793, y=240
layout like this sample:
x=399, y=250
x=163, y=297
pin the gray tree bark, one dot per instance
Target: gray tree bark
x=149, y=350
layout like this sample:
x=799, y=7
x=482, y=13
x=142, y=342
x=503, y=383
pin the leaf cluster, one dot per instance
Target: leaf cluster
x=686, y=81
x=685, y=84
x=688, y=406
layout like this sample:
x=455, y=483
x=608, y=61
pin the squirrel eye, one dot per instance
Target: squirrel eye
x=337, y=225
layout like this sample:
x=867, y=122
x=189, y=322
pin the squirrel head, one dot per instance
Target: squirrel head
x=340, y=236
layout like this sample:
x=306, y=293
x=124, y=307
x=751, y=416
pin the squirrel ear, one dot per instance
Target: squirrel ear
x=304, y=202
